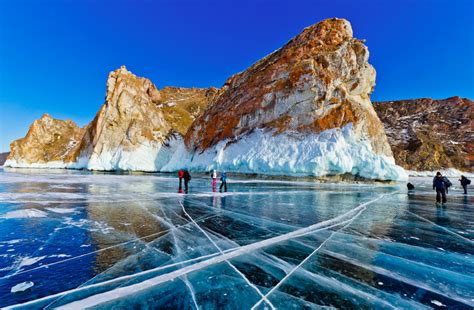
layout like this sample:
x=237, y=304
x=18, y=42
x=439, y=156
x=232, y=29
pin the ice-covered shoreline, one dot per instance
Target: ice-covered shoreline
x=331, y=152
x=450, y=172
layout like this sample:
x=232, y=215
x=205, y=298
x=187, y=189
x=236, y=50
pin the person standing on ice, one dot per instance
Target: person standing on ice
x=180, y=176
x=464, y=183
x=440, y=186
x=214, y=179
x=187, y=178
x=223, y=182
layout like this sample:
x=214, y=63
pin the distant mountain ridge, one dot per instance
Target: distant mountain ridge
x=428, y=135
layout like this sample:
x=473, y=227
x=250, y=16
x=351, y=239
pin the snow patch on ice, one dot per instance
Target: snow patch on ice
x=20, y=287
x=27, y=261
x=438, y=303
x=14, y=241
x=27, y=213
x=61, y=210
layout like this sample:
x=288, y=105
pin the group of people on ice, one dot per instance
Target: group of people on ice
x=183, y=174
x=442, y=184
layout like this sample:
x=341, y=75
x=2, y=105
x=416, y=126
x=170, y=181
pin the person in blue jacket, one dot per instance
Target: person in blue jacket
x=223, y=182
x=439, y=183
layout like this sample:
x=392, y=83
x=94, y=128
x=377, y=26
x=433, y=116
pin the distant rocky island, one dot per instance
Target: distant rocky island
x=3, y=157
x=305, y=109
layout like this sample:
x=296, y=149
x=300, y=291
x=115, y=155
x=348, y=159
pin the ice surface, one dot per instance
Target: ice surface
x=121, y=241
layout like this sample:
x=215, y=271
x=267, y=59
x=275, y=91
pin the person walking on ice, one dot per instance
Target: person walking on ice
x=440, y=183
x=464, y=183
x=180, y=176
x=187, y=178
x=214, y=179
x=223, y=182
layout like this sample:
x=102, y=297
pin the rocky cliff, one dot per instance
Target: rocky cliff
x=427, y=134
x=48, y=143
x=137, y=128
x=303, y=110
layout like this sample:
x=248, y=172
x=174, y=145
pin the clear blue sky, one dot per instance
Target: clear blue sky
x=55, y=55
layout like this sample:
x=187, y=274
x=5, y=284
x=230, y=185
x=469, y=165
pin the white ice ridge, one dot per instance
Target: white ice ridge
x=264, y=297
x=333, y=151
x=134, y=288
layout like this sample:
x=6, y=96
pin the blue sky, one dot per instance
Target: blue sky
x=55, y=55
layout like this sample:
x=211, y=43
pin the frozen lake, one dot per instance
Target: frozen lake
x=77, y=239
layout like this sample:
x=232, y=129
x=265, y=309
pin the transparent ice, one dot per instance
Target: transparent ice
x=118, y=241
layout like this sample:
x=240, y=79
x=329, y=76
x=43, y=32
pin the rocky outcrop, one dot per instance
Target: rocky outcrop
x=137, y=128
x=427, y=134
x=309, y=91
x=49, y=142
x=319, y=80
x=3, y=157
x=303, y=110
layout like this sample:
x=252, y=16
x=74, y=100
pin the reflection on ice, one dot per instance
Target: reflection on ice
x=102, y=240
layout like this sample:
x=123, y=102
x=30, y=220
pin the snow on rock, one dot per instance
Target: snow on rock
x=20, y=287
x=334, y=151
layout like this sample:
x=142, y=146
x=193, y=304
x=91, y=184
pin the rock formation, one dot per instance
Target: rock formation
x=304, y=109
x=137, y=128
x=3, y=157
x=48, y=143
x=427, y=134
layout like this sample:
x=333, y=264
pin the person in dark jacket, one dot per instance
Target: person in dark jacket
x=440, y=186
x=187, y=178
x=464, y=183
x=223, y=182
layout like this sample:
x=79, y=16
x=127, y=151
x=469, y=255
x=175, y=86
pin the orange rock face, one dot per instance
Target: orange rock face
x=47, y=140
x=319, y=80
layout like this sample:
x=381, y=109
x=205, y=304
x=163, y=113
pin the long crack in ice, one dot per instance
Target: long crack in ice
x=265, y=298
x=132, y=289
x=231, y=265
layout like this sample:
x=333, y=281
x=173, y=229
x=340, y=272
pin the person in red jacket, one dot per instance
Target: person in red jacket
x=180, y=176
